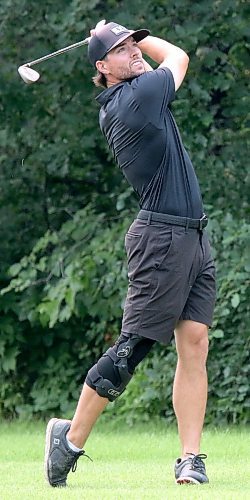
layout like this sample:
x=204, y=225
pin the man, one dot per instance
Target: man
x=170, y=269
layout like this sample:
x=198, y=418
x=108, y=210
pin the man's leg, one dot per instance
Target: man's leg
x=190, y=397
x=190, y=383
x=105, y=381
x=89, y=408
x=65, y=439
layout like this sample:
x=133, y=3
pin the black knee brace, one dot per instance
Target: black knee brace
x=111, y=374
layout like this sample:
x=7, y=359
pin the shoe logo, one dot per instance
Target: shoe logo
x=113, y=393
x=56, y=441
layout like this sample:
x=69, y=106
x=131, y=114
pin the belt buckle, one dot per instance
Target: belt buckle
x=201, y=221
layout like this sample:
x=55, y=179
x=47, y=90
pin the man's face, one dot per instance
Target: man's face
x=122, y=62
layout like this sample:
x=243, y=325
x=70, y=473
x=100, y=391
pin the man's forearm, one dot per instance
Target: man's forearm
x=166, y=55
x=159, y=50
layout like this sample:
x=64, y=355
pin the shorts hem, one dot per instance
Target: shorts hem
x=163, y=339
x=204, y=321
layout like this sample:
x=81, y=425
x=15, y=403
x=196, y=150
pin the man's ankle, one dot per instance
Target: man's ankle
x=74, y=440
x=187, y=454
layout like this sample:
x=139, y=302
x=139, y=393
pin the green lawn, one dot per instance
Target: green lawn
x=132, y=464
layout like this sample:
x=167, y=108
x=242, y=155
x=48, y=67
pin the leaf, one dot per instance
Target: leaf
x=50, y=310
x=15, y=269
x=218, y=334
x=235, y=300
x=9, y=360
x=70, y=298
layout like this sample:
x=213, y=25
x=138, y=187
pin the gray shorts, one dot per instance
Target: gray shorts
x=171, y=277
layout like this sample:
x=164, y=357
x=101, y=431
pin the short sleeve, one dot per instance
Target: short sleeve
x=153, y=91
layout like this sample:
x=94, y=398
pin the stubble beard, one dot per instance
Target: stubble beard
x=130, y=73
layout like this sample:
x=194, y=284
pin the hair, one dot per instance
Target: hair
x=100, y=80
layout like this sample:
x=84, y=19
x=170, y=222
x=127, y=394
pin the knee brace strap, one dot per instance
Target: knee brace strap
x=118, y=354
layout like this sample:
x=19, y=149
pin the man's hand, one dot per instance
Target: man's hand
x=99, y=25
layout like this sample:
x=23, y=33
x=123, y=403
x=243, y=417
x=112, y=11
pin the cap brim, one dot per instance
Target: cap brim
x=138, y=35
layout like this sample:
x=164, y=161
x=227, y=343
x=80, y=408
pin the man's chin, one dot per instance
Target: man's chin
x=138, y=72
x=133, y=73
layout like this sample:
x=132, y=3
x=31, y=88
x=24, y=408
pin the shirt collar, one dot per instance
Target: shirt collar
x=107, y=93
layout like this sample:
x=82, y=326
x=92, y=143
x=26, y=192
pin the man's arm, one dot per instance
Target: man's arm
x=147, y=66
x=166, y=55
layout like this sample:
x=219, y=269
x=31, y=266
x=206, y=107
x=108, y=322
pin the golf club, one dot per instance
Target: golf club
x=31, y=76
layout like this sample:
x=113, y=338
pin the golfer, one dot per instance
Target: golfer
x=170, y=269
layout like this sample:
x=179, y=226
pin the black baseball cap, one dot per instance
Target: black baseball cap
x=108, y=37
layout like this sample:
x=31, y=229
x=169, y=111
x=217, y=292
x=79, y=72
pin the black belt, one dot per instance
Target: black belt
x=174, y=219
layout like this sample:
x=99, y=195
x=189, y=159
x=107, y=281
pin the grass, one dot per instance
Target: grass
x=130, y=463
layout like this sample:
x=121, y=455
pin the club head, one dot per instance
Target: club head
x=28, y=75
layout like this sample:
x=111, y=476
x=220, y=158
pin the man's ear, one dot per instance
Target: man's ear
x=102, y=67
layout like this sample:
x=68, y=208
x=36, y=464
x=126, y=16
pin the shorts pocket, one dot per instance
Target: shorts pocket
x=163, y=248
x=132, y=234
x=133, y=248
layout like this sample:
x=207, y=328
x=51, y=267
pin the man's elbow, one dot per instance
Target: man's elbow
x=179, y=68
x=187, y=59
x=184, y=58
x=183, y=62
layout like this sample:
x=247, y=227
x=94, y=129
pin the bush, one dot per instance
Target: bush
x=67, y=296
x=79, y=280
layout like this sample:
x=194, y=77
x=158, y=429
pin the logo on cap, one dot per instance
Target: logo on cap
x=117, y=30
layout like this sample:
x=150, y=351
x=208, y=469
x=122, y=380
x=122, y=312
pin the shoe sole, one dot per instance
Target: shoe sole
x=49, y=428
x=187, y=480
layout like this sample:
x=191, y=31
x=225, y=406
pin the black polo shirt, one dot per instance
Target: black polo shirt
x=143, y=136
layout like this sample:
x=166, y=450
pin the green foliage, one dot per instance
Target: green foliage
x=83, y=280
x=77, y=277
x=64, y=207
x=230, y=345
x=76, y=272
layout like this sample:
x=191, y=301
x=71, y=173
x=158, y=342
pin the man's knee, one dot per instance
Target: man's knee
x=200, y=349
x=112, y=373
x=192, y=341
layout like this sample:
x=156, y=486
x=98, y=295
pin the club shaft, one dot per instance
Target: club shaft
x=58, y=52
